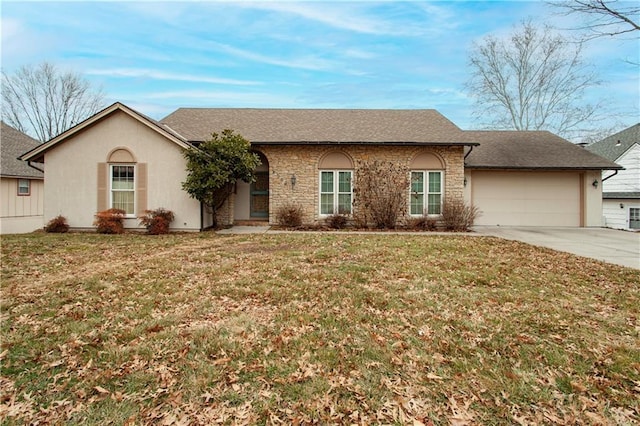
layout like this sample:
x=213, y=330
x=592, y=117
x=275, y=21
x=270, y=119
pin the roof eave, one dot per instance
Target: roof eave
x=367, y=143
x=13, y=176
x=557, y=168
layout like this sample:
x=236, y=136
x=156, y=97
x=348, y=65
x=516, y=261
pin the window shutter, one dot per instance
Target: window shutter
x=103, y=187
x=141, y=188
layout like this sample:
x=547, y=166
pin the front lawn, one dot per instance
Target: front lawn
x=313, y=328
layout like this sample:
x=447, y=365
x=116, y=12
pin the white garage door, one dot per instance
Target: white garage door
x=526, y=198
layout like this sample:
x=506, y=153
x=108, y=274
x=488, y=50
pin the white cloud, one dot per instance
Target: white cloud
x=344, y=16
x=159, y=75
x=20, y=45
x=307, y=62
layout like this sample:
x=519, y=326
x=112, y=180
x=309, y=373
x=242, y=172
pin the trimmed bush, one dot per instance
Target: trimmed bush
x=422, y=223
x=336, y=221
x=458, y=216
x=289, y=215
x=157, y=221
x=57, y=225
x=110, y=221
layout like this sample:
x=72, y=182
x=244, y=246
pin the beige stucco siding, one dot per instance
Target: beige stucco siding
x=534, y=198
x=21, y=213
x=302, y=161
x=71, y=173
x=591, y=198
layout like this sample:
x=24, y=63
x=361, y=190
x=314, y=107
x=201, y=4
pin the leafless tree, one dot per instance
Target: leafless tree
x=604, y=18
x=533, y=80
x=44, y=102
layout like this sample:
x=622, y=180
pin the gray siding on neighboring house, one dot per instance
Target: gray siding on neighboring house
x=19, y=213
x=627, y=180
x=621, y=190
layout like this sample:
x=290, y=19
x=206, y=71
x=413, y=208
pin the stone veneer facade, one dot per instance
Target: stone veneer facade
x=302, y=161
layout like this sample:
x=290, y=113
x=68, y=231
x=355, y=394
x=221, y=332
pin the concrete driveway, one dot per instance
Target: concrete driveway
x=608, y=245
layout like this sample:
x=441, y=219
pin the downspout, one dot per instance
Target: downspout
x=615, y=172
x=467, y=154
x=34, y=167
x=201, y=217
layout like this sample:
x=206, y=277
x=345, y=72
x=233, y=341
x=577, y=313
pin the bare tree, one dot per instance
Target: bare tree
x=534, y=80
x=604, y=18
x=44, y=102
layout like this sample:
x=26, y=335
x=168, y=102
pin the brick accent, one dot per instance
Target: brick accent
x=302, y=161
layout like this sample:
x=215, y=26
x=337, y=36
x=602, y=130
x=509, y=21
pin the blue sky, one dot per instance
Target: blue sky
x=158, y=56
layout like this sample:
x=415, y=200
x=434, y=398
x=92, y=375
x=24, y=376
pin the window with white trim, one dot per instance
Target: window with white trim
x=24, y=187
x=123, y=188
x=426, y=192
x=336, y=192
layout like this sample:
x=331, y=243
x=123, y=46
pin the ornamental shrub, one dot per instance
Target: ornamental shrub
x=157, y=221
x=336, y=221
x=289, y=215
x=57, y=225
x=110, y=221
x=458, y=216
x=422, y=223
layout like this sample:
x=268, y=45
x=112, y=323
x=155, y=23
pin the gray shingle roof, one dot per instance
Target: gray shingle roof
x=531, y=150
x=318, y=125
x=607, y=146
x=13, y=144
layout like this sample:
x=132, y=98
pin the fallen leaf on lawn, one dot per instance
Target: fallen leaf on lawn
x=221, y=361
x=101, y=390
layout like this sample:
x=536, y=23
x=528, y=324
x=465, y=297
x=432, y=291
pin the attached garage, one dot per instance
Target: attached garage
x=513, y=198
x=533, y=178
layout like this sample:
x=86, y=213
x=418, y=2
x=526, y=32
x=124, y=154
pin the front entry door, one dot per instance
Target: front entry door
x=260, y=195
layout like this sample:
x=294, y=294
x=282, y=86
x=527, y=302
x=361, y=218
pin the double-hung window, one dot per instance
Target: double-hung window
x=426, y=192
x=24, y=187
x=123, y=188
x=336, y=192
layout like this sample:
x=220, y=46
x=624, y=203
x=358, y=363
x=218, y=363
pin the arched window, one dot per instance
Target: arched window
x=335, y=171
x=122, y=183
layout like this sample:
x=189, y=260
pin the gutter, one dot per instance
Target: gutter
x=201, y=217
x=367, y=143
x=345, y=143
x=541, y=168
x=615, y=172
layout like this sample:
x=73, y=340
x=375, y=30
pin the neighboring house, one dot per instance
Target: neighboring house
x=21, y=186
x=621, y=189
x=120, y=158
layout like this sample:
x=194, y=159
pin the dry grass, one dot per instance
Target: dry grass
x=314, y=328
